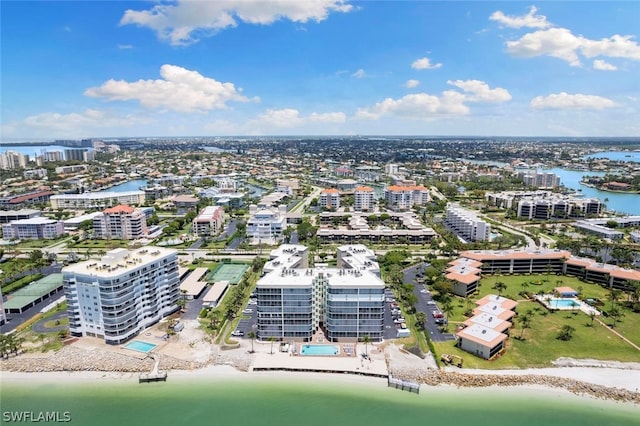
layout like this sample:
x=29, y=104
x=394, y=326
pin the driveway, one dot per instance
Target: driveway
x=425, y=302
x=39, y=326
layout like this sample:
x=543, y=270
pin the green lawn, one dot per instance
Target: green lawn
x=540, y=345
x=100, y=244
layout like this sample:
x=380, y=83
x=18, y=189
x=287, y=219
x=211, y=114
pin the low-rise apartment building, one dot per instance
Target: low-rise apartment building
x=34, y=228
x=96, y=200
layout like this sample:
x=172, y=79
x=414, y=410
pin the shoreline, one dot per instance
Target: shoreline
x=618, y=385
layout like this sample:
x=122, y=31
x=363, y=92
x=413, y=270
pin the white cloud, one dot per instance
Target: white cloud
x=359, y=74
x=557, y=42
x=424, y=64
x=289, y=117
x=423, y=106
x=417, y=106
x=411, y=84
x=187, y=21
x=179, y=89
x=616, y=46
x=565, y=100
x=125, y=46
x=530, y=20
x=87, y=122
x=601, y=65
x=479, y=91
x=563, y=44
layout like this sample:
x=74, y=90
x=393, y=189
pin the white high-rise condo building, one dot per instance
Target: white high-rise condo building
x=329, y=199
x=266, y=223
x=295, y=301
x=364, y=199
x=121, y=222
x=120, y=295
x=467, y=224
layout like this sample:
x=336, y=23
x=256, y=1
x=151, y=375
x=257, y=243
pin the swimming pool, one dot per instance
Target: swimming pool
x=140, y=346
x=563, y=304
x=326, y=350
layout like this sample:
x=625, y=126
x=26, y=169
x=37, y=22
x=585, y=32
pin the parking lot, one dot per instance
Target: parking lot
x=426, y=303
x=248, y=320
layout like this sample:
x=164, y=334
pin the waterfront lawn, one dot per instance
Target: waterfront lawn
x=540, y=345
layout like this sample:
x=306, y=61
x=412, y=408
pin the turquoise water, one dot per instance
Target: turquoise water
x=319, y=350
x=617, y=156
x=132, y=185
x=563, y=303
x=305, y=400
x=140, y=346
x=620, y=202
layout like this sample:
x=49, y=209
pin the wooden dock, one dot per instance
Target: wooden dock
x=152, y=377
x=156, y=375
x=403, y=385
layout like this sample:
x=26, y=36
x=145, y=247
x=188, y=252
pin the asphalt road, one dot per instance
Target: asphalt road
x=426, y=303
x=14, y=320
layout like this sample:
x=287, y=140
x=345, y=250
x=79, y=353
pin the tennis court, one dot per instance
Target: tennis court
x=231, y=272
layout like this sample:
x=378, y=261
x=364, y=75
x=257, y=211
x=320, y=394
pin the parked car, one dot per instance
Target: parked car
x=237, y=333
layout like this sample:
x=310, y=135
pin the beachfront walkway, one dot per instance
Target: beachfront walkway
x=374, y=364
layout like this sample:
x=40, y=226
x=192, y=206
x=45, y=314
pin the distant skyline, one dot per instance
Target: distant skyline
x=319, y=67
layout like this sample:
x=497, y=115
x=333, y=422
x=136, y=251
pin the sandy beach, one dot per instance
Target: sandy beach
x=193, y=357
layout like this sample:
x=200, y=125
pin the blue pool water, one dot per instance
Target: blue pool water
x=140, y=346
x=319, y=350
x=563, y=304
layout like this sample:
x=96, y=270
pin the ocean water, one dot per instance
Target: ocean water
x=304, y=401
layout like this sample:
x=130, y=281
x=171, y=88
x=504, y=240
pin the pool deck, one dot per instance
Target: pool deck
x=374, y=365
x=583, y=307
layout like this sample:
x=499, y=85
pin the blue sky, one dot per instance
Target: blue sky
x=319, y=67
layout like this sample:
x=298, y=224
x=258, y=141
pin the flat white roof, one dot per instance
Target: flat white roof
x=335, y=277
x=192, y=284
x=116, y=262
x=34, y=221
x=215, y=292
x=99, y=194
x=482, y=335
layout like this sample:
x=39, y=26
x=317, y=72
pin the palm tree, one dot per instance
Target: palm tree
x=500, y=287
x=252, y=336
x=525, y=322
x=614, y=296
x=592, y=315
x=366, y=340
x=447, y=308
x=272, y=339
x=524, y=287
x=566, y=333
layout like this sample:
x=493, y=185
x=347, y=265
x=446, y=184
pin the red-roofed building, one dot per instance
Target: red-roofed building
x=329, y=198
x=364, y=199
x=209, y=221
x=402, y=198
x=121, y=222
